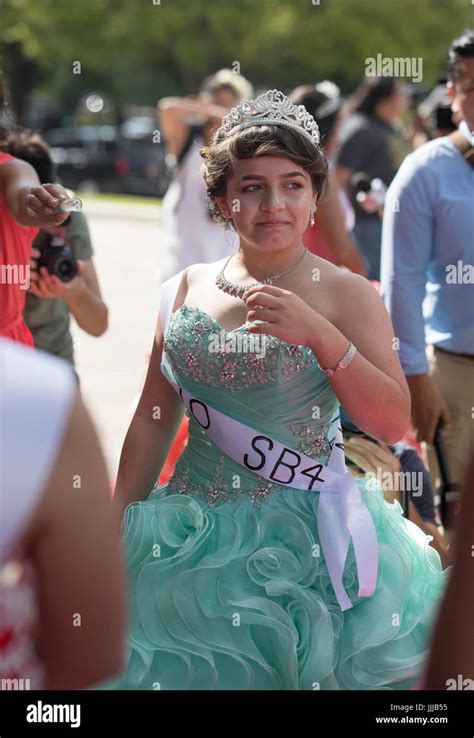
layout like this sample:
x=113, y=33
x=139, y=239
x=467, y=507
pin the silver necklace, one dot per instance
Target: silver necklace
x=237, y=290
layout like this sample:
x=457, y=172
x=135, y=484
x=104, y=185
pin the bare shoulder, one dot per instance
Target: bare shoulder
x=346, y=299
x=200, y=274
x=338, y=290
x=354, y=283
x=361, y=314
x=354, y=293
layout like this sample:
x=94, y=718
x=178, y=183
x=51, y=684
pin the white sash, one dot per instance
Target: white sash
x=342, y=514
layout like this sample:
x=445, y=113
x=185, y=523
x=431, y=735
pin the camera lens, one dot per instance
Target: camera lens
x=65, y=270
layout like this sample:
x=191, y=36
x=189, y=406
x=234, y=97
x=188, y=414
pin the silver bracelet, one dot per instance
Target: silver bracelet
x=345, y=361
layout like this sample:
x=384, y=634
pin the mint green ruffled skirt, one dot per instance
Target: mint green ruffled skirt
x=238, y=597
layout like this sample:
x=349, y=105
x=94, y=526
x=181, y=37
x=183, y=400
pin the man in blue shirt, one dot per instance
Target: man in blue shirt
x=427, y=273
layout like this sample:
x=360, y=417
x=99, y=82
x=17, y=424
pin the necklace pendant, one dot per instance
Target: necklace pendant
x=238, y=291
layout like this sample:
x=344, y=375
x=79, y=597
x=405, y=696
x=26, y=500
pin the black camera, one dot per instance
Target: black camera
x=56, y=255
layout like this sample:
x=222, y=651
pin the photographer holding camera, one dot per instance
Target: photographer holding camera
x=188, y=234
x=63, y=279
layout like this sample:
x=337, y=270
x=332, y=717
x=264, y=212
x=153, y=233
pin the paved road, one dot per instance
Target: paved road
x=112, y=368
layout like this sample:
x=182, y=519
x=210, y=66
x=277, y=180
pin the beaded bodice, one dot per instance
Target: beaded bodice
x=273, y=386
x=230, y=360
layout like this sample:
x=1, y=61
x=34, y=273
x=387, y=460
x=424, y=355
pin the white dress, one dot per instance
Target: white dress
x=188, y=235
x=36, y=392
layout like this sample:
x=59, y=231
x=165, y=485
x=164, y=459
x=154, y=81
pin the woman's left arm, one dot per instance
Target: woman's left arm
x=372, y=389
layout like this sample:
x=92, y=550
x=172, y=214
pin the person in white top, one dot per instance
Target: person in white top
x=55, y=509
x=188, y=234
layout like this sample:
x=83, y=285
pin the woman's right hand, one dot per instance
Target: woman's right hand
x=373, y=457
x=42, y=201
x=427, y=407
x=377, y=460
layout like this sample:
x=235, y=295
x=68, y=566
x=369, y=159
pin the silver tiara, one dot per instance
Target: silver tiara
x=270, y=108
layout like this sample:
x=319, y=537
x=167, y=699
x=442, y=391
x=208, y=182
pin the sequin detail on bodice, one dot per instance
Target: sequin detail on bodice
x=268, y=383
x=233, y=360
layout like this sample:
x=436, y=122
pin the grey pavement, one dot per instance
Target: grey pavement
x=112, y=368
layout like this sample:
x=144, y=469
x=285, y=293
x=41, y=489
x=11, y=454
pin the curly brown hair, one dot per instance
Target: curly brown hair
x=266, y=140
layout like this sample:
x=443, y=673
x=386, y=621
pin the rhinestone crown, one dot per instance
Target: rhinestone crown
x=270, y=108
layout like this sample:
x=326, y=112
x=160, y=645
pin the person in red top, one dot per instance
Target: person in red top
x=25, y=206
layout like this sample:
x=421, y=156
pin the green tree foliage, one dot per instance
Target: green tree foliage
x=140, y=50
